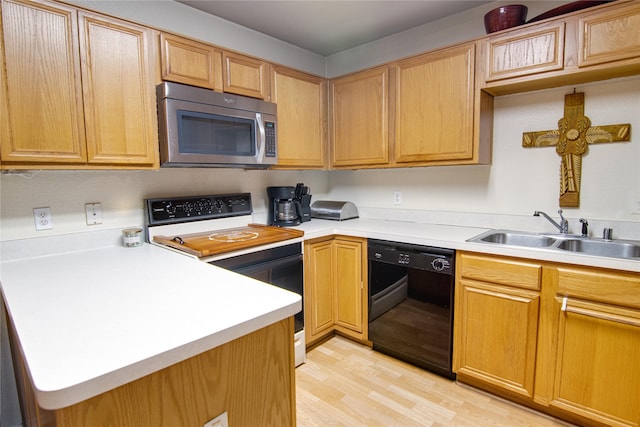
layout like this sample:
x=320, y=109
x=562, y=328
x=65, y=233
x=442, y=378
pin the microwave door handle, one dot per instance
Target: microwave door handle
x=260, y=143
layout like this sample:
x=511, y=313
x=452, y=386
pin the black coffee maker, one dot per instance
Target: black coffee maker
x=289, y=206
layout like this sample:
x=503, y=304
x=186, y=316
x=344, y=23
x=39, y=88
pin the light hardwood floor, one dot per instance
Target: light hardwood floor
x=347, y=384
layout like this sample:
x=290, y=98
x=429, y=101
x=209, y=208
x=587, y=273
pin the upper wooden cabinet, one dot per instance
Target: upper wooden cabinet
x=68, y=101
x=521, y=53
x=302, y=112
x=609, y=36
x=190, y=62
x=419, y=111
x=596, y=44
x=244, y=75
x=360, y=119
x=42, y=112
x=434, y=106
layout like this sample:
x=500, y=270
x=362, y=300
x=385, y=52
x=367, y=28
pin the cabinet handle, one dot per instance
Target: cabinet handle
x=598, y=315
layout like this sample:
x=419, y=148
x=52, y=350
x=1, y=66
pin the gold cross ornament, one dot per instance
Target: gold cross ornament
x=571, y=139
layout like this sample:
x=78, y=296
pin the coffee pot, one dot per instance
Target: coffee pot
x=288, y=206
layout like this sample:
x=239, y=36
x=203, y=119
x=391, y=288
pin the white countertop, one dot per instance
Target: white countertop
x=452, y=237
x=92, y=320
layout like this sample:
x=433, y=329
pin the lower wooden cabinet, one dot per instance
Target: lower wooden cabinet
x=595, y=353
x=496, y=321
x=562, y=339
x=335, y=288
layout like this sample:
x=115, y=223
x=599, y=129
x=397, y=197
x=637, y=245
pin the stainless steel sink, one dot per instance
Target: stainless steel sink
x=626, y=249
x=516, y=238
x=614, y=248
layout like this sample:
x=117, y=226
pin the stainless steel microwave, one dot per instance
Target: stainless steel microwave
x=202, y=128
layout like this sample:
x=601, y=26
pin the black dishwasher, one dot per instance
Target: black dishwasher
x=411, y=303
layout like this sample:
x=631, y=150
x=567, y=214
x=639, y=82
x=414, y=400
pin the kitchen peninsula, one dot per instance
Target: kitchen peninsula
x=145, y=337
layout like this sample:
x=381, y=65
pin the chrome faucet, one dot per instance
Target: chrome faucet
x=564, y=224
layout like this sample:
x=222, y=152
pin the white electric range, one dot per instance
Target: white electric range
x=218, y=229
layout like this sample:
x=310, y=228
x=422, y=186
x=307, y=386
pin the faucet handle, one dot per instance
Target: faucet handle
x=607, y=233
x=585, y=225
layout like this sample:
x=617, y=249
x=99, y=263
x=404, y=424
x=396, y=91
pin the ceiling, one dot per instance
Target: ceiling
x=330, y=26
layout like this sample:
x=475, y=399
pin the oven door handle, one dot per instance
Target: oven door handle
x=277, y=263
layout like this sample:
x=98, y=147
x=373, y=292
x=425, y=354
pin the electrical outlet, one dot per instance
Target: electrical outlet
x=93, y=212
x=42, y=217
x=219, y=421
x=397, y=198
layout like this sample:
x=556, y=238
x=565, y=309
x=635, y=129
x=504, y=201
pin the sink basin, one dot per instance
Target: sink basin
x=625, y=249
x=616, y=249
x=515, y=238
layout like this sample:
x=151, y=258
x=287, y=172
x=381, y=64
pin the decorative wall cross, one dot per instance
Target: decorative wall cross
x=571, y=139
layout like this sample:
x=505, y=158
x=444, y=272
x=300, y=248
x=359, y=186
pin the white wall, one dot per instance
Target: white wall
x=121, y=194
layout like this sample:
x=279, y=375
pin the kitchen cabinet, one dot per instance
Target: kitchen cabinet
x=609, y=36
x=496, y=321
x=562, y=339
x=335, y=291
x=302, y=111
x=594, y=352
x=525, y=52
x=190, y=62
x=78, y=89
x=434, y=107
x=600, y=43
x=359, y=119
x=244, y=75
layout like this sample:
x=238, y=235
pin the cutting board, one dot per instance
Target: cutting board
x=227, y=240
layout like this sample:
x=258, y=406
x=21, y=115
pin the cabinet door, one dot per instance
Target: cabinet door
x=318, y=290
x=496, y=335
x=610, y=36
x=244, y=75
x=434, y=106
x=41, y=116
x=348, y=284
x=525, y=52
x=359, y=129
x=597, y=373
x=119, y=91
x=301, y=100
x=190, y=62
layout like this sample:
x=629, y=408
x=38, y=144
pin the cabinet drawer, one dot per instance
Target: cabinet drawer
x=524, y=53
x=503, y=271
x=595, y=285
x=610, y=36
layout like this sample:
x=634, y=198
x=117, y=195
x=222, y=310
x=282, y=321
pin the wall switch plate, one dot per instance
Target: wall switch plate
x=397, y=198
x=219, y=421
x=93, y=212
x=43, y=219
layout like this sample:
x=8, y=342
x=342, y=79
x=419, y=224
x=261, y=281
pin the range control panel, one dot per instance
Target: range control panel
x=196, y=208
